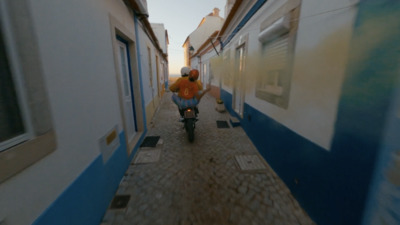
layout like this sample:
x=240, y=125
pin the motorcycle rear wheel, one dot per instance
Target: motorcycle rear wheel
x=190, y=129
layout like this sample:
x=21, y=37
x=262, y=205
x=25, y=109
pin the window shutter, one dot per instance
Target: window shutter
x=275, y=53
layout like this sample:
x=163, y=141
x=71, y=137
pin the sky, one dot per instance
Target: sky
x=180, y=18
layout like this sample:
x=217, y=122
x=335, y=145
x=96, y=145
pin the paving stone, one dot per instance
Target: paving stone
x=254, y=205
x=109, y=216
x=242, y=189
x=200, y=183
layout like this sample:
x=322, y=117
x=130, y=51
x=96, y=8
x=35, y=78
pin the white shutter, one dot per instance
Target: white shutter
x=275, y=53
x=275, y=60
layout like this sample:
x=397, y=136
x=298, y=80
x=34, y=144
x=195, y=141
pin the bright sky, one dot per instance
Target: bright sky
x=180, y=18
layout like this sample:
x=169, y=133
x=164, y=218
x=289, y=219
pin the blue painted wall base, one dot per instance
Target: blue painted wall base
x=86, y=200
x=331, y=187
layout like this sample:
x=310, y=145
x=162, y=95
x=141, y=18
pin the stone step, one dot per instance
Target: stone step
x=234, y=121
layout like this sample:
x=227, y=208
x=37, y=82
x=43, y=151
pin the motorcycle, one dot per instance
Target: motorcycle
x=189, y=120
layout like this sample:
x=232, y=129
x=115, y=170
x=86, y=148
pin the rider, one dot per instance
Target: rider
x=185, y=71
x=185, y=74
x=188, y=91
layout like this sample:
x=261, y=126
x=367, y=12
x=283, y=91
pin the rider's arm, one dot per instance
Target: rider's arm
x=175, y=86
x=199, y=85
x=199, y=96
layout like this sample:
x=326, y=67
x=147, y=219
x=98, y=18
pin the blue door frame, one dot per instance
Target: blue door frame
x=119, y=38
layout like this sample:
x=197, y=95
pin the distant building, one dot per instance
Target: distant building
x=202, y=60
x=202, y=45
x=208, y=25
x=162, y=36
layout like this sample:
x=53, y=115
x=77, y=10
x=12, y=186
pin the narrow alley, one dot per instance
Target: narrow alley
x=89, y=134
x=201, y=182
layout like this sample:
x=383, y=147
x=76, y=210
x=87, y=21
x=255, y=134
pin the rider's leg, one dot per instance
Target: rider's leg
x=178, y=101
x=191, y=102
x=184, y=103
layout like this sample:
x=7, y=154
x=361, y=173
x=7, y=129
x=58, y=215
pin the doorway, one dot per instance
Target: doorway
x=238, y=92
x=128, y=104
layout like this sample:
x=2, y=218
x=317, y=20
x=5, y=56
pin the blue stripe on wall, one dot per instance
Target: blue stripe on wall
x=369, y=88
x=331, y=184
x=243, y=22
x=85, y=201
x=384, y=195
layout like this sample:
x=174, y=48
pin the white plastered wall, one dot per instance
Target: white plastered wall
x=321, y=53
x=76, y=52
x=207, y=58
x=144, y=43
x=202, y=33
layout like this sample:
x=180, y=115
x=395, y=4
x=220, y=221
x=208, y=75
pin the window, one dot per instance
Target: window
x=26, y=130
x=275, y=61
x=11, y=122
x=239, y=87
x=277, y=45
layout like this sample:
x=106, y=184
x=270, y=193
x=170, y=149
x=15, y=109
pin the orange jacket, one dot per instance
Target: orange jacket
x=186, y=89
x=175, y=88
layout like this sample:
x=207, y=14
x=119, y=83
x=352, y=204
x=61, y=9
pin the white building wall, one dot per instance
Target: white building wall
x=76, y=51
x=210, y=78
x=195, y=63
x=159, y=31
x=203, y=63
x=202, y=33
x=149, y=71
x=322, y=29
x=144, y=43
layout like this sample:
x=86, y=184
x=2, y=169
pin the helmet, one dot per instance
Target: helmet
x=185, y=71
x=194, y=74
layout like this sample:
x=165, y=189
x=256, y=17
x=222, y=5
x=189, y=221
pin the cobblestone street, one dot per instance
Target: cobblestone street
x=201, y=183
